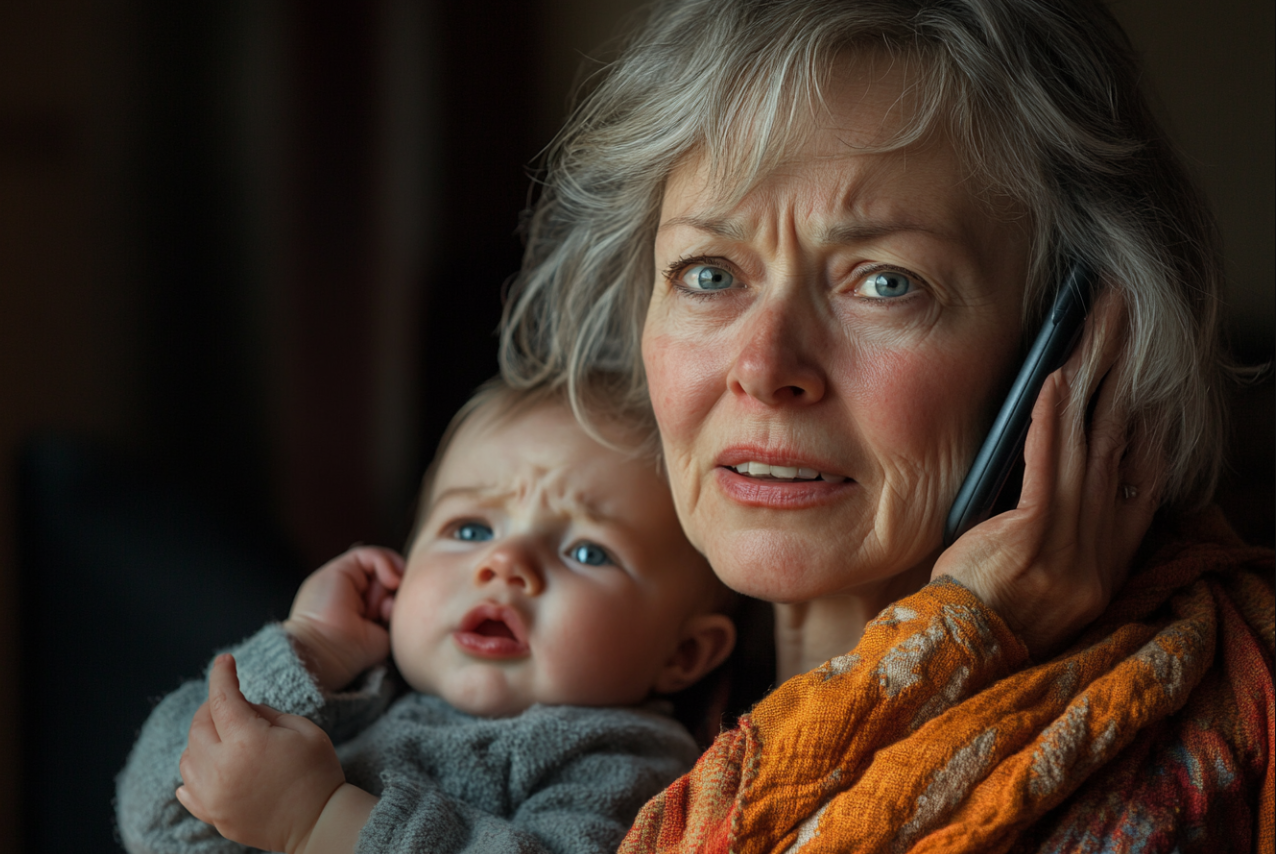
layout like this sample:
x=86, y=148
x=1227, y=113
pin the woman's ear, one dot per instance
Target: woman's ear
x=707, y=640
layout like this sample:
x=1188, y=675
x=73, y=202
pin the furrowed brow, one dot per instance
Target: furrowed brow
x=728, y=228
x=849, y=233
x=471, y=493
x=458, y=492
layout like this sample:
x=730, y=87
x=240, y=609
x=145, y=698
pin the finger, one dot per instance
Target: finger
x=380, y=603
x=186, y=766
x=373, y=598
x=387, y=570
x=202, y=730
x=1041, y=454
x=188, y=799
x=1101, y=343
x=1091, y=364
x=383, y=566
x=1108, y=435
x=229, y=710
x=298, y=724
x=1072, y=456
x=269, y=714
x=1108, y=430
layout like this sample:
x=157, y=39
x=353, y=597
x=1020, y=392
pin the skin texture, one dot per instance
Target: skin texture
x=768, y=339
x=628, y=620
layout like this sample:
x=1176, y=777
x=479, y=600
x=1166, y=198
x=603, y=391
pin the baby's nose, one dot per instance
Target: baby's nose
x=514, y=566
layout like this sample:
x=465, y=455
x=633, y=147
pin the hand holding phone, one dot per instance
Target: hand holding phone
x=1004, y=445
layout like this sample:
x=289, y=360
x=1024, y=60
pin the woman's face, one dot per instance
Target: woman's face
x=824, y=356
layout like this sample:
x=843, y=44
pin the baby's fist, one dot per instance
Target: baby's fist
x=262, y=778
x=339, y=616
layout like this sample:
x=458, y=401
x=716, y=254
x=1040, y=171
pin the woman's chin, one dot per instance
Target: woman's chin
x=783, y=567
x=780, y=566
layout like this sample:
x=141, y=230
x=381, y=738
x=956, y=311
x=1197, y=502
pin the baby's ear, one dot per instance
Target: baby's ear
x=707, y=640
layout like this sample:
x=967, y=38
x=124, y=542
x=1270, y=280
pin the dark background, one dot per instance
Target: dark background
x=251, y=256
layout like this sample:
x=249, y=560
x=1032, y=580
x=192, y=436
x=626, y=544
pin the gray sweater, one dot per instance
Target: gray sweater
x=552, y=779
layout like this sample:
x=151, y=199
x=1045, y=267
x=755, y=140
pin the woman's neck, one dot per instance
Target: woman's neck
x=807, y=634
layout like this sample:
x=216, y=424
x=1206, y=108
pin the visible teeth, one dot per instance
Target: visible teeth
x=756, y=469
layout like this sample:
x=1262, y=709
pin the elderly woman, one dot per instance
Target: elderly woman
x=810, y=239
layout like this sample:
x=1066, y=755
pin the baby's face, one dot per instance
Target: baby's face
x=550, y=569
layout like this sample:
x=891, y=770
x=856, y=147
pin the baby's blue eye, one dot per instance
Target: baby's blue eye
x=887, y=284
x=590, y=554
x=473, y=532
x=706, y=278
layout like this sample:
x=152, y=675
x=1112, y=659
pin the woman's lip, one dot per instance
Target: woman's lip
x=489, y=646
x=779, y=494
x=735, y=456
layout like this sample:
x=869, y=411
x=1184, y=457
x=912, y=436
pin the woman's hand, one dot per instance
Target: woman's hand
x=260, y=777
x=339, y=616
x=1051, y=565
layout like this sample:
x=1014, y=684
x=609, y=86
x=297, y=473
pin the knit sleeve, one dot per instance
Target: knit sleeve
x=148, y=814
x=576, y=779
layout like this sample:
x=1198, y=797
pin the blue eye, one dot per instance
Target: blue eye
x=590, y=554
x=473, y=532
x=887, y=284
x=707, y=278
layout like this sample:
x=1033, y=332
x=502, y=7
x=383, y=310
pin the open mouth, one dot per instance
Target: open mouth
x=763, y=471
x=492, y=631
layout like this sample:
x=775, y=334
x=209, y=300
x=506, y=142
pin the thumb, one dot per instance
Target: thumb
x=269, y=714
x=226, y=704
x=298, y=724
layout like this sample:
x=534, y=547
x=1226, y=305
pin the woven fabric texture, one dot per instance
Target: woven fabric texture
x=1152, y=733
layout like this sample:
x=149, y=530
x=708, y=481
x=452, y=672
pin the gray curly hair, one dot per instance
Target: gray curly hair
x=1040, y=98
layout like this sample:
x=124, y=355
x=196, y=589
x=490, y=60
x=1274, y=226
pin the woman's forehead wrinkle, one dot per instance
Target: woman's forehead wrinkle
x=727, y=227
x=864, y=231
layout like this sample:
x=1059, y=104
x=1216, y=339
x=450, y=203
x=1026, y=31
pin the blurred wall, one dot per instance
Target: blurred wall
x=259, y=245
x=69, y=297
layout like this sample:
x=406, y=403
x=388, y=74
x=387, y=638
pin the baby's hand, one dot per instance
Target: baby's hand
x=262, y=778
x=339, y=617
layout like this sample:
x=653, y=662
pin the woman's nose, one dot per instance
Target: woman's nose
x=512, y=564
x=777, y=358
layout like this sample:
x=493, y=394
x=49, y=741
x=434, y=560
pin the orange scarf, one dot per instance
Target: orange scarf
x=1153, y=731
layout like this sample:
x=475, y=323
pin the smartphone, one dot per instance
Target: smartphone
x=1003, y=449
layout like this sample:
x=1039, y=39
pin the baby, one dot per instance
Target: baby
x=548, y=594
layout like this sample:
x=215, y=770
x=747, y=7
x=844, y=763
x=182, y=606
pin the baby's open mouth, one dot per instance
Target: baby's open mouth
x=762, y=471
x=492, y=631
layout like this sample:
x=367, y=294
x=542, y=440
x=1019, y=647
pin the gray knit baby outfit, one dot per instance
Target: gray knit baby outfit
x=561, y=779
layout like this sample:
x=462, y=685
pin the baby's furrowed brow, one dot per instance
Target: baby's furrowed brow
x=454, y=492
x=474, y=496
